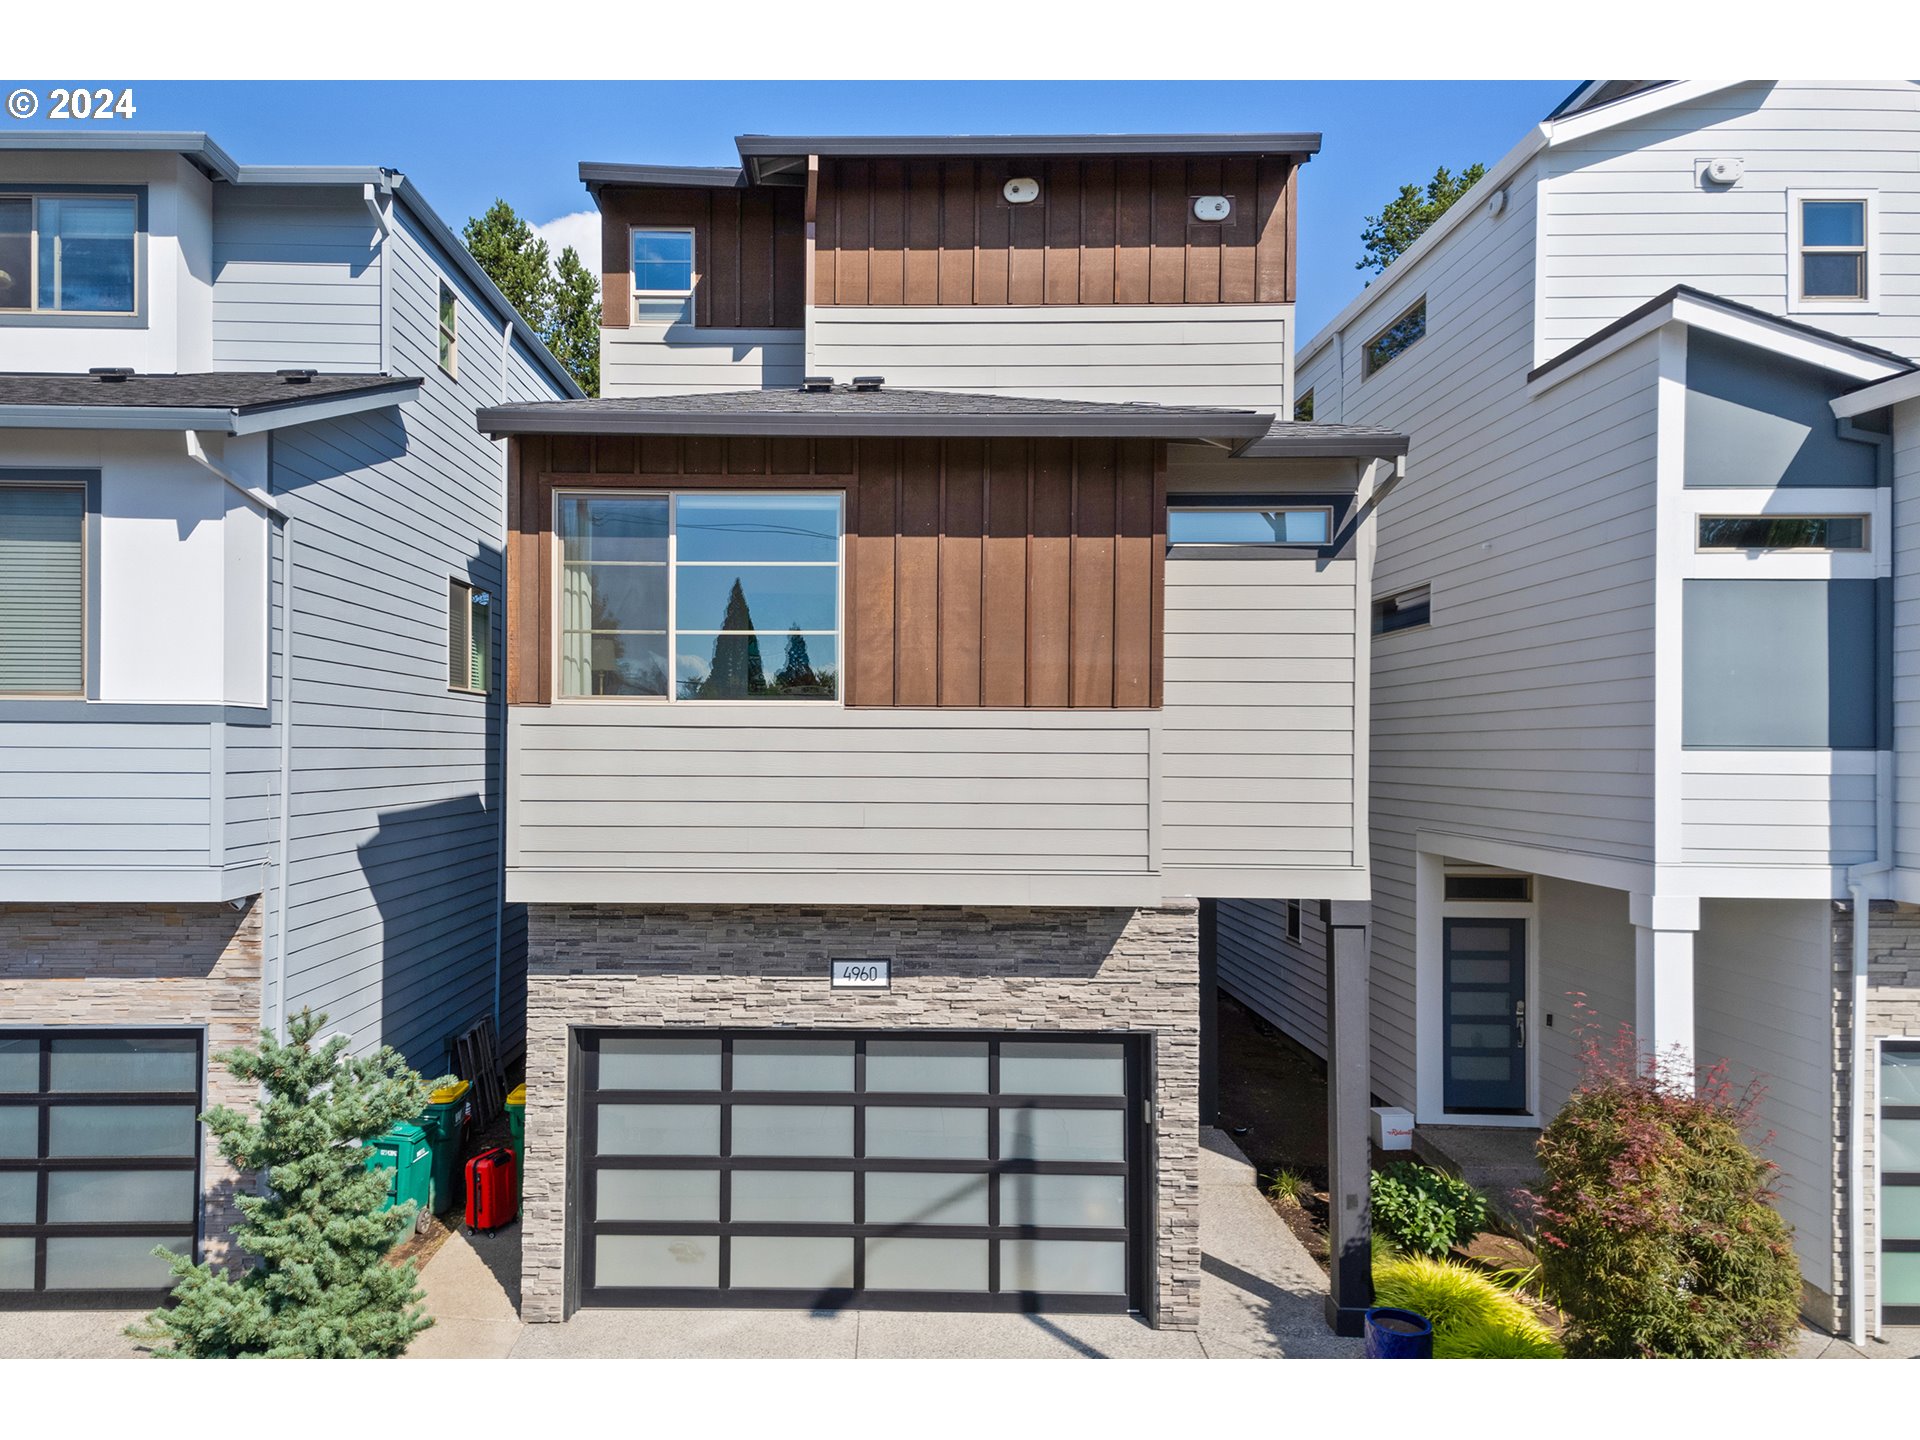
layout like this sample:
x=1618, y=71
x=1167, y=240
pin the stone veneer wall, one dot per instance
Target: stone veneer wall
x=196, y=965
x=953, y=968
x=1893, y=1010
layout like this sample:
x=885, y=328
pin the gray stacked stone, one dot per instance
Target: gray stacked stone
x=1095, y=970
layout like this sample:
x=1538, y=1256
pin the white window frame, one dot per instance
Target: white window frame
x=1693, y=563
x=1256, y=507
x=1864, y=548
x=672, y=497
x=666, y=314
x=34, y=199
x=448, y=331
x=1797, y=303
x=461, y=582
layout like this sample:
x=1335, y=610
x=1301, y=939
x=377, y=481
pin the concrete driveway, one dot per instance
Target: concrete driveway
x=1261, y=1296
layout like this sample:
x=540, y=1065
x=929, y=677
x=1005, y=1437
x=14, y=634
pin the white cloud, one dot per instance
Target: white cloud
x=581, y=230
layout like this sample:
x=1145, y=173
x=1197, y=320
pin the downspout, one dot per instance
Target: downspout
x=1884, y=797
x=286, y=778
x=499, y=686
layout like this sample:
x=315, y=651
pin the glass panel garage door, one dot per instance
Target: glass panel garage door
x=99, y=1159
x=1900, y=1183
x=958, y=1172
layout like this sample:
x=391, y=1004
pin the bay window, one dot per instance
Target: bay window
x=700, y=595
x=68, y=254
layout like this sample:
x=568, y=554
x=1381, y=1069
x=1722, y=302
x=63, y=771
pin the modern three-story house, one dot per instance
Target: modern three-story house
x=937, y=612
x=250, y=739
x=1643, y=720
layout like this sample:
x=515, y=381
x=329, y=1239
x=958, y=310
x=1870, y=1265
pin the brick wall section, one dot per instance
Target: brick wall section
x=989, y=969
x=197, y=965
x=1893, y=1010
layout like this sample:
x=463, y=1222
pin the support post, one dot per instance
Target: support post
x=1663, y=930
x=1209, y=1012
x=1349, y=1094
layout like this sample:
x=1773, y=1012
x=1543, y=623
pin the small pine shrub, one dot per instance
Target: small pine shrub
x=1657, y=1236
x=1472, y=1317
x=1425, y=1212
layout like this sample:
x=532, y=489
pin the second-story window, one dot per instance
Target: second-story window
x=1303, y=407
x=700, y=595
x=1834, y=258
x=43, y=603
x=662, y=274
x=449, y=331
x=469, y=637
x=1387, y=346
x=69, y=254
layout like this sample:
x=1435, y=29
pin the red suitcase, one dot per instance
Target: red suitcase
x=491, y=1202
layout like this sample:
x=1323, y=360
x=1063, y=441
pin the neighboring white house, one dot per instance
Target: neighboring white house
x=1647, y=628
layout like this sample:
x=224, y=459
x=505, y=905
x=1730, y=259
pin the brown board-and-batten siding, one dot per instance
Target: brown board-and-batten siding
x=749, y=252
x=1001, y=574
x=1105, y=231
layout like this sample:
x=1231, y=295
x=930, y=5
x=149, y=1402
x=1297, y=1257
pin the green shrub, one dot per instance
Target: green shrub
x=1472, y=1317
x=1289, y=1186
x=1425, y=1212
x=1656, y=1235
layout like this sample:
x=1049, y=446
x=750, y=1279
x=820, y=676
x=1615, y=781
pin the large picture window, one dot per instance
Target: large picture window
x=42, y=589
x=700, y=595
x=68, y=253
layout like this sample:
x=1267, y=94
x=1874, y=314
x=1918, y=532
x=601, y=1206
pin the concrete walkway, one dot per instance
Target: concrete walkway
x=1261, y=1296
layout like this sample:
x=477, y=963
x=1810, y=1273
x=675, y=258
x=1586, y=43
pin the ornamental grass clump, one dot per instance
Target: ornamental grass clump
x=318, y=1283
x=1657, y=1233
x=1473, y=1318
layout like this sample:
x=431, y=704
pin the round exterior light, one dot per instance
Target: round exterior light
x=1211, y=207
x=1021, y=190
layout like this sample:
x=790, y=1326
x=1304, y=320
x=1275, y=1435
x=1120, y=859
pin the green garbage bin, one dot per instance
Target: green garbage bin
x=402, y=1151
x=517, y=1128
x=448, y=1114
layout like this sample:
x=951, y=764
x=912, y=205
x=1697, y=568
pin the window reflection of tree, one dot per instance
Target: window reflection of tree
x=735, y=672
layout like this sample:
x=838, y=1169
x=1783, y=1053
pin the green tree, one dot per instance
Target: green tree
x=559, y=299
x=320, y=1284
x=515, y=259
x=1391, y=233
x=574, y=336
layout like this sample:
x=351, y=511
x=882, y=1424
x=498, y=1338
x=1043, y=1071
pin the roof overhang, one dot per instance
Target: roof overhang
x=223, y=420
x=594, y=174
x=1698, y=310
x=193, y=146
x=1292, y=439
x=771, y=158
x=1894, y=391
x=564, y=418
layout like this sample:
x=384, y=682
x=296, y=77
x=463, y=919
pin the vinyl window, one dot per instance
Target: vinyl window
x=1251, y=525
x=43, y=606
x=700, y=595
x=1833, y=249
x=449, y=330
x=69, y=254
x=663, y=262
x=1824, y=534
x=1403, y=611
x=1293, y=920
x=1303, y=407
x=1409, y=326
x=469, y=637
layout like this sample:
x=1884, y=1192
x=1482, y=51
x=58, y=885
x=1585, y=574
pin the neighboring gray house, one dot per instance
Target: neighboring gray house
x=879, y=742
x=250, y=743
x=1643, y=662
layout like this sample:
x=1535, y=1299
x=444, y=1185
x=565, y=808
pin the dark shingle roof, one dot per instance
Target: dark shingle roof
x=1309, y=439
x=845, y=411
x=243, y=391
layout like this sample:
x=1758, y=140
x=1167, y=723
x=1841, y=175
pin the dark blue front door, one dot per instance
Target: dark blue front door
x=1486, y=1016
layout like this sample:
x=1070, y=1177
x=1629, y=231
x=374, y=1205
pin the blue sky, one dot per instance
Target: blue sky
x=463, y=143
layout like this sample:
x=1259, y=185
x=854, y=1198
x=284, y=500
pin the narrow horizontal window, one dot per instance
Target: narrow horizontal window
x=42, y=589
x=1303, y=407
x=1385, y=347
x=1783, y=532
x=1404, y=611
x=1511, y=889
x=1253, y=525
x=73, y=254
